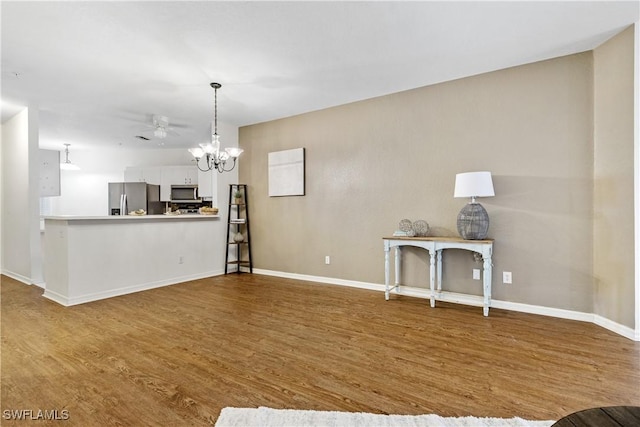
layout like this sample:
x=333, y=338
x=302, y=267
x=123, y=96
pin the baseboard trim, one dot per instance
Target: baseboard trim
x=474, y=300
x=320, y=279
x=625, y=331
x=96, y=296
x=41, y=285
x=55, y=297
x=18, y=277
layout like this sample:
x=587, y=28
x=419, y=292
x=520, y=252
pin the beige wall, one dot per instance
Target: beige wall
x=371, y=163
x=613, y=179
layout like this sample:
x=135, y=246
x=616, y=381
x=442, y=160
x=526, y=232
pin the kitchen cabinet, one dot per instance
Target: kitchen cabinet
x=149, y=174
x=179, y=175
x=186, y=175
x=208, y=185
x=49, y=173
x=176, y=175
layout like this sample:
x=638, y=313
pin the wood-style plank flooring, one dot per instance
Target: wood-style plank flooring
x=175, y=356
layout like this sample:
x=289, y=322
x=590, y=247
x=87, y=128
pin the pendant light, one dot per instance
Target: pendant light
x=67, y=165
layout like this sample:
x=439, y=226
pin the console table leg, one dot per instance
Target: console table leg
x=386, y=272
x=439, y=270
x=432, y=276
x=487, y=272
x=397, y=267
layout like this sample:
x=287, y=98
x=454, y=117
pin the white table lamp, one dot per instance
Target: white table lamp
x=473, y=219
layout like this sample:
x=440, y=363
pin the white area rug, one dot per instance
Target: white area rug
x=267, y=417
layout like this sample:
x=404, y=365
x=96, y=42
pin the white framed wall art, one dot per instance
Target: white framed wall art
x=286, y=173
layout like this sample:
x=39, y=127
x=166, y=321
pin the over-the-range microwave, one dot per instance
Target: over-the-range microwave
x=185, y=194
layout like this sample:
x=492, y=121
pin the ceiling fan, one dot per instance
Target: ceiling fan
x=159, y=128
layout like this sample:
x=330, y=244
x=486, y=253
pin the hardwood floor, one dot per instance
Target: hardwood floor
x=176, y=356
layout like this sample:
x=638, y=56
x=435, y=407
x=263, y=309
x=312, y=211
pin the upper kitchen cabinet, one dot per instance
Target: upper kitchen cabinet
x=179, y=175
x=176, y=175
x=150, y=174
x=187, y=175
x=49, y=173
x=208, y=185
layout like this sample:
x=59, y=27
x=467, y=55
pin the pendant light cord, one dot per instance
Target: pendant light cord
x=215, y=111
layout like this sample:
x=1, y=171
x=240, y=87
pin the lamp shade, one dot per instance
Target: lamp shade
x=68, y=166
x=473, y=184
x=197, y=152
x=234, y=151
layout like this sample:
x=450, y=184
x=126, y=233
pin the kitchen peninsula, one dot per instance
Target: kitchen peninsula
x=88, y=258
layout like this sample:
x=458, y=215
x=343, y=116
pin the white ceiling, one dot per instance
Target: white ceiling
x=97, y=71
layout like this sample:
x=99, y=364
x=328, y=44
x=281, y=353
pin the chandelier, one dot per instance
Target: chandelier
x=214, y=158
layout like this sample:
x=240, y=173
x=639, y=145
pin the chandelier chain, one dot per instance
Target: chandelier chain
x=215, y=111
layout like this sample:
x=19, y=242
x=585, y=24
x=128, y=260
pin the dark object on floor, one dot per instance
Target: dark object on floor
x=612, y=416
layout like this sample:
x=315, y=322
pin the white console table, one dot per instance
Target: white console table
x=435, y=246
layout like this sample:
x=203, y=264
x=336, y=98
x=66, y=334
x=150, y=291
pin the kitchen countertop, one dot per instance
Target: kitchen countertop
x=129, y=217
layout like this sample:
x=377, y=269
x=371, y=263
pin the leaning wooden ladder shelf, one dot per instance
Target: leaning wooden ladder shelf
x=238, y=234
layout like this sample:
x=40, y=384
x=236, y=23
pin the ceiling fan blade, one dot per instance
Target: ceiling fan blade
x=178, y=125
x=166, y=123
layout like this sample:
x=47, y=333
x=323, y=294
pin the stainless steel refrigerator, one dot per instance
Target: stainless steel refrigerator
x=125, y=197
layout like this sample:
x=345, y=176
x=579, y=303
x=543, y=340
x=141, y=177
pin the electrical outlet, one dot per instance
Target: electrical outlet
x=506, y=277
x=476, y=274
x=327, y=260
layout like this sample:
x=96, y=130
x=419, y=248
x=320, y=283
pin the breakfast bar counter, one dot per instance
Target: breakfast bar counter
x=194, y=216
x=87, y=258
